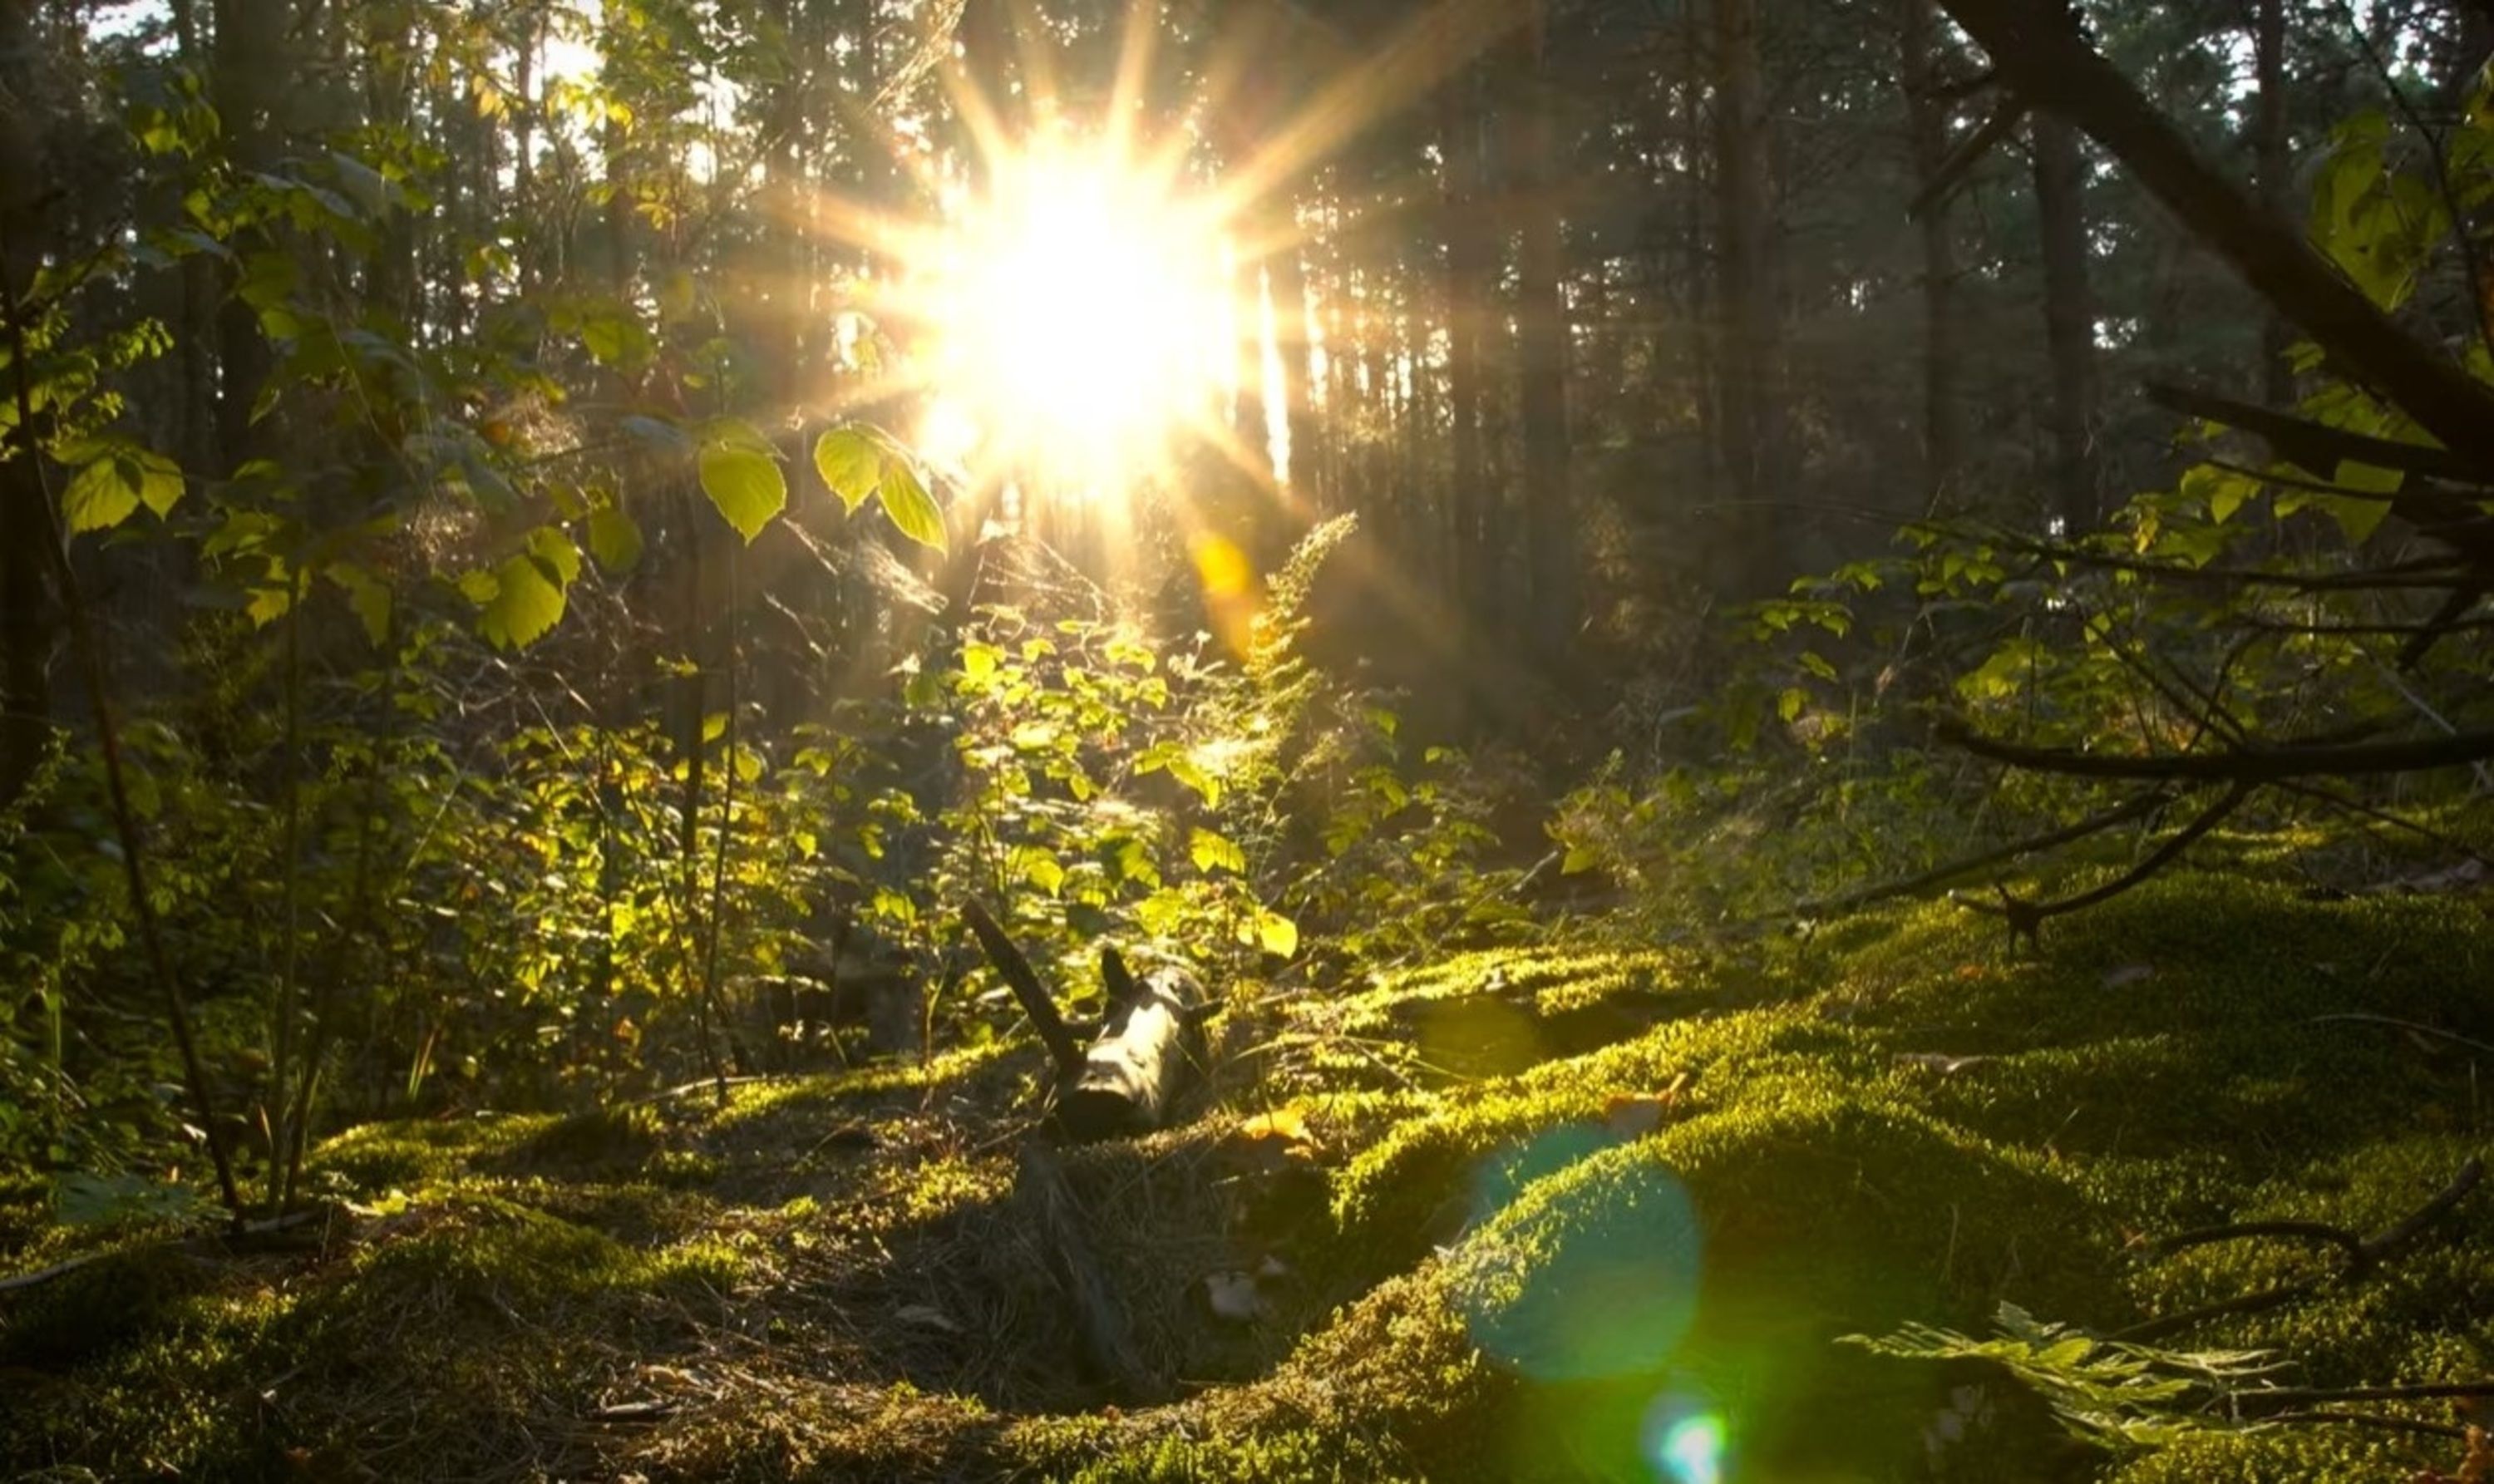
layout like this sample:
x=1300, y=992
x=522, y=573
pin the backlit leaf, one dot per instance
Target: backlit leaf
x=525, y=604
x=746, y=486
x=850, y=464
x=614, y=539
x=914, y=512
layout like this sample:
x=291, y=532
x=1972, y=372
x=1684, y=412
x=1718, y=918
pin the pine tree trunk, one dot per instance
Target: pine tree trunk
x=2274, y=170
x=2069, y=318
x=27, y=620
x=1541, y=352
x=1751, y=356
x=1468, y=267
x=250, y=38
x=1927, y=132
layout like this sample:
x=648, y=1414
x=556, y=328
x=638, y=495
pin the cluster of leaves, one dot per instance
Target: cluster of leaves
x=2116, y=1395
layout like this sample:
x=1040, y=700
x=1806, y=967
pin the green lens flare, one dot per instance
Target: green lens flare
x=1692, y=1451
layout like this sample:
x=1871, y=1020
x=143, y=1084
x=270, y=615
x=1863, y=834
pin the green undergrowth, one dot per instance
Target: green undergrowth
x=1547, y=1213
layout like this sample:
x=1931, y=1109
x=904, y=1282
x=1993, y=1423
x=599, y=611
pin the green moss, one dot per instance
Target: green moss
x=2340, y=1454
x=2158, y=1065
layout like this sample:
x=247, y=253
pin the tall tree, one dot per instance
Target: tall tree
x=1469, y=253
x=2273, y=168
x=249, y=71
x=1750, y=359
x=2069, y=316
x=27, y=622
x=1927, y=138
x=1541, y=353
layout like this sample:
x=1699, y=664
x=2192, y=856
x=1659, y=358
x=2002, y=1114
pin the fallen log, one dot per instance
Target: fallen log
x=1148, y=1054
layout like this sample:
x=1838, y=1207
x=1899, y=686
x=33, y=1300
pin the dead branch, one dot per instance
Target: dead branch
x=2026, y=919
x=1952, y=172
x=2137, y=809
x=1023, y=982
x=2267, y=763
x=2364, y=1255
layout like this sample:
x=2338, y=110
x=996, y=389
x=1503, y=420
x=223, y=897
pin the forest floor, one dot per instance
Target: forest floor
x=1527, y=1213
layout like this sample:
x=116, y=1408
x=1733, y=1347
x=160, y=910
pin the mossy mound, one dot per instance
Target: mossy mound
x=1566, y=1213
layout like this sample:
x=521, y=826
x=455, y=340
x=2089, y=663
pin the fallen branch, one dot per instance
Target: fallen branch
x=1148, y=1054
x=2026, y=919
x=2269, y=764
x=2137, y=809
x=243, y=1236
x=2364, y=1255
x=2416, y=1026
x=1023, y=982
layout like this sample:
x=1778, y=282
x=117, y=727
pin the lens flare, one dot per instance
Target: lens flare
x=1691, y=1451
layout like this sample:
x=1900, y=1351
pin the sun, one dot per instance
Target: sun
x=1079, y=321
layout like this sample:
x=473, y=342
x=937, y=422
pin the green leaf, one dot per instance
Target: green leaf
x=746, y=486
x=1040, y=868
x=2357, y=519
x=103, y=492
x=850, y=464
x=1213, y=852
x=555, y=552
x=914, y=512
x=614, y=539
x=160, y=482
x=368, y=596
x=525, y=604
x=1276, y=934
x=1190, y=772
x=1789, y=704
x=2368, y=478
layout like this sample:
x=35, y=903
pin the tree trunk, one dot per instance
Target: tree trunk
x=1927, y=135
x=2274, y=170
x=2069, y=317
x=250, y=37
x=1468, y=268
x=1286, y=279
x=1750, y=359
x=1541, y=353
x=27, y=620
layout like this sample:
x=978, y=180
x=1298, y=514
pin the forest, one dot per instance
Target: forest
x=1700, y=742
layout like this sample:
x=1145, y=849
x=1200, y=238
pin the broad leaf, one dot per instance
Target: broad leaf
x=850, y=464
x=1212, y=852
x=614, y=539
x=914, y=512
x=103, y=494
x=525, y=604
x=746, y=487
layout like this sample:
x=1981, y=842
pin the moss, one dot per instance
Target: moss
x=769, y=1268
x=2342, y=1455
x=412, y=1153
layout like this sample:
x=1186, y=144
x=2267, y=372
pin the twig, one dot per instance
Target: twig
x=2267, y=764
x=2316, y=1232
x=2364, y=1256
x=1023, y=980
x=2137, y=809
x=2417, y=1027
x=2370, y=1420
x=2025, y=918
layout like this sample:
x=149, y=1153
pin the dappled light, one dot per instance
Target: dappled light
x=1717, y=743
